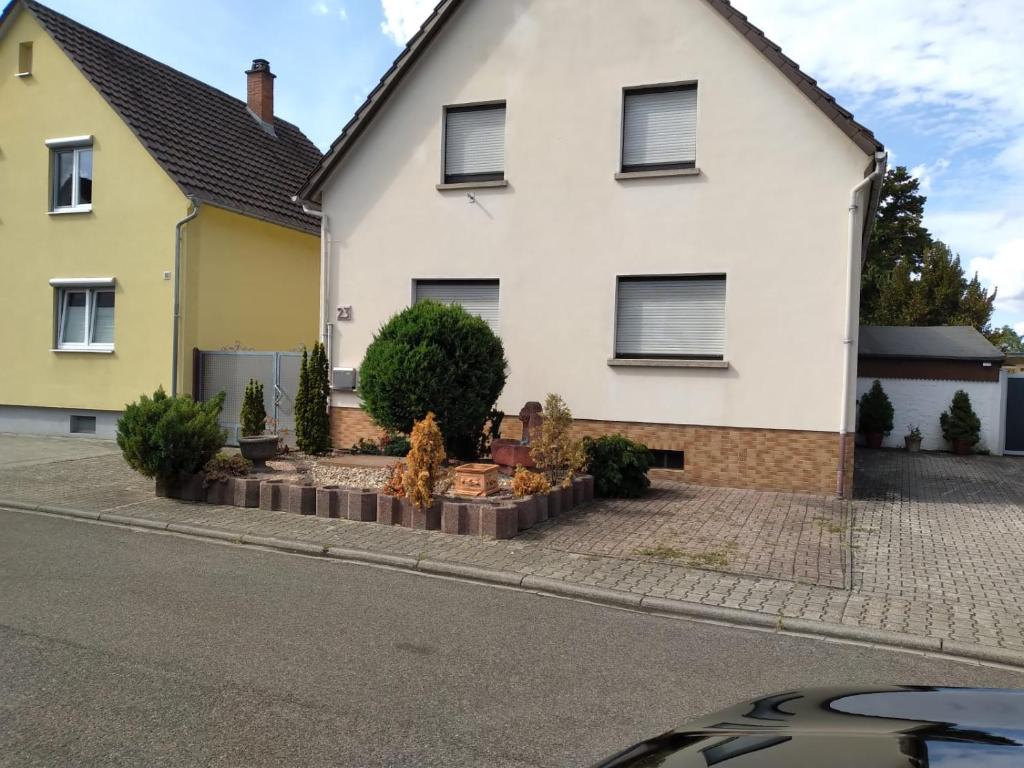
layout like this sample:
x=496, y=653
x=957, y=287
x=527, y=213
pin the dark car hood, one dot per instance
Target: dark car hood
x=895, y=727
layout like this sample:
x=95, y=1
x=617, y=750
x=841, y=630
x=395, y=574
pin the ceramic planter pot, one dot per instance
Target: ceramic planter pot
x=913, y=444
x=258, y=449
x=874, y=439
x=961, y=447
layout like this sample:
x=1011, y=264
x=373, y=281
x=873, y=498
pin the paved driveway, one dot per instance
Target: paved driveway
x=766, y=534
x=933, y=528
x=22, y=450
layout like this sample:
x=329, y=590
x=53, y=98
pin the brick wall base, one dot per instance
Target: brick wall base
x=350, y=425
x=764, y=459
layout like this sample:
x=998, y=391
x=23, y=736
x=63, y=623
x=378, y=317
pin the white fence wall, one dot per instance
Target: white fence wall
x=921, y=401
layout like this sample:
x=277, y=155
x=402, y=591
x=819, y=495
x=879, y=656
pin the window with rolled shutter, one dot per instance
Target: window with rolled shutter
x=474, y=143
x=659, y=128
x=671, y=317
x=478, y=297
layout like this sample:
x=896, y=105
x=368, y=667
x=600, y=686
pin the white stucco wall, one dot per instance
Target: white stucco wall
x=922, y=401
x=769, y=209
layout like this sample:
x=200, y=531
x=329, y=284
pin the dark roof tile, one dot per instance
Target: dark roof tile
x=207, y=141
x=943, y=342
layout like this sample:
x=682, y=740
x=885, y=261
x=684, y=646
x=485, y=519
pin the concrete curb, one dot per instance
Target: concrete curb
x=737, y=617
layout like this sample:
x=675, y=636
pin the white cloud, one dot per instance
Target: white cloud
x=1006, y=270
x=1019, y=328
x=960, y=60
x=323, y=9
x=1011, y=159
x=403, y=17
x=927, y=173
x=946, y=72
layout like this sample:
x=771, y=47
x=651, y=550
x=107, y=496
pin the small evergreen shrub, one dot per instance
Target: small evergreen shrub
x=960, y=422
x=424, y=475
x=225, y=465
x=365, y=447
x=876, y=412
x=527, y=483
x=435, y=358
x=312, y=417
x=619, y=466
x=390, y=444
x=167, y=438
x=394, y=444
x=254, y=413
x=556, y=453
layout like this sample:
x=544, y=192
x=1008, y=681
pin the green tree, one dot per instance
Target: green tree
x=301, y=400
x=898, y=237
x=1007, y=340
x=312, y=418
x=935, y=293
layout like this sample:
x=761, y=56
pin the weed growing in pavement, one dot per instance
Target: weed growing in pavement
x=828, y=525
x=661, y=552
x=713, y=558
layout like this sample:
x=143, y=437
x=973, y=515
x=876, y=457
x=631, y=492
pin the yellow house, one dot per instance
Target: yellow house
x=143, y=215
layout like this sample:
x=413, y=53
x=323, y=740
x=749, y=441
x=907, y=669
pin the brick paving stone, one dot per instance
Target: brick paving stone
x=938, y=541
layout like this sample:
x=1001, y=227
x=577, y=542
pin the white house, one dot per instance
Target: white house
x=661, y=215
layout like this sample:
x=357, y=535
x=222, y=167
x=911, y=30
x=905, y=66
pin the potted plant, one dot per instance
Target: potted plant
x=875, y=418
x=255, y=444
x=912, y=439
x=960, y=424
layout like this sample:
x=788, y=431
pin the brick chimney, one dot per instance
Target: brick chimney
x=260, y=90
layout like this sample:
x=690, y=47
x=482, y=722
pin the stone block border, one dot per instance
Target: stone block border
x=487, y=518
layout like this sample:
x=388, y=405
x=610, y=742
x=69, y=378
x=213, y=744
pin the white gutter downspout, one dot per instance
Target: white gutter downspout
x=175, y=333
x=325, y=275
x=854, y=258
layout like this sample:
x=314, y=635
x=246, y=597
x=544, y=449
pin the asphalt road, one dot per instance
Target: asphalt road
x=135, y=648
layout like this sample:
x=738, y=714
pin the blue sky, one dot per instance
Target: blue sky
x=940, y=82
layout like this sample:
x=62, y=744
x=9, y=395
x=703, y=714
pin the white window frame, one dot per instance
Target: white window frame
x=76, y=145
x=91, y=287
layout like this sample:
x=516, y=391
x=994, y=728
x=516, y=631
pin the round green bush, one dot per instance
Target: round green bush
x=436, y=358
x=619, y=466
x=168, y=438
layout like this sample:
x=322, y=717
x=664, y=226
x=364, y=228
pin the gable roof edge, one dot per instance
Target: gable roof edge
x=246, y=203
x=861, y=136
x=843, y=118
x=376, y=99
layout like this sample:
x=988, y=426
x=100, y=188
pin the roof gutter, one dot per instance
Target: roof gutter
x=854, y=258
x=176, y=332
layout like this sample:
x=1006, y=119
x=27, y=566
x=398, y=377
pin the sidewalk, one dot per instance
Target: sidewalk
x=102, y=487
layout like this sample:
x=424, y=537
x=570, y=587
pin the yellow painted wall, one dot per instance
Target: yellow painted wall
x=247, y=283
x=129, y=234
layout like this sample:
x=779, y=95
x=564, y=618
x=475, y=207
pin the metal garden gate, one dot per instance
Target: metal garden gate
x=1015, y=414
x=229, y=372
